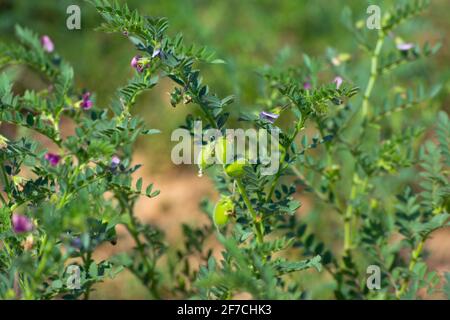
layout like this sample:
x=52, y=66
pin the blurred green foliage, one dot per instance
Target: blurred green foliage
x=246, y=34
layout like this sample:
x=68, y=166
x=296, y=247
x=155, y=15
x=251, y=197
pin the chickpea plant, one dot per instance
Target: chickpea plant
x=339, y=148
x=57, y=211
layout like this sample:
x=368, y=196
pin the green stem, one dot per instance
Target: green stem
x=360, y=117
x=25, y=285
x=45, y=250
x=87, y=262
x=258, y=227
x=373, y=75
x=348, y=220
x=5, y=178
x=415, y=254
x=273, y=185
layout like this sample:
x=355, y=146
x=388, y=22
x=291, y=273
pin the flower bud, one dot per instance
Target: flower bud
x=21, y=223
x=338, y=80
x=139, y=63
x=86, y=102
x=268, y=116
x=47, y=44
x=52, y=158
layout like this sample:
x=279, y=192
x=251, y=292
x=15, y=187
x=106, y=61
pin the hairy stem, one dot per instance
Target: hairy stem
x=373, y=75
x=87, y=262
x=259, y=230
x=299, y=126
x=348, y=220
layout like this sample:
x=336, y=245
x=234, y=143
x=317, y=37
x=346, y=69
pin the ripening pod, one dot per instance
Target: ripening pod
x=236, y=169
x=223, y=210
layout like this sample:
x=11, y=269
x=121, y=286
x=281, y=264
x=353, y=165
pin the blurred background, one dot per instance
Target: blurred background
x=247, y=35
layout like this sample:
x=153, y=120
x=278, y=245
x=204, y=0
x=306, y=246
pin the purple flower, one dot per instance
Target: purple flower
x=21, y=223
x=86, y=105
x=47, y=44
x=405, y=46
x=271, y=117
x=338, y=80
x=307, y=86
x=134, y=61
x=139, y=63
x=86, y=102
x=115, y=161
x=52, y=158
x=76, y=242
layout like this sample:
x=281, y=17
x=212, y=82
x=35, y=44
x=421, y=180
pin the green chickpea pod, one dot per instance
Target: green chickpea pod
x=222, y=211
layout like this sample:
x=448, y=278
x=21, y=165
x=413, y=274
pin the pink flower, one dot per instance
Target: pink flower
x=307, y=86
x=21, y=223
x=52, y=158
x=405, y=46
x=134, y=61
x=86, y=102
x=47, y=44
x=338, y=80
x=115, y=161
x=139, y=63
